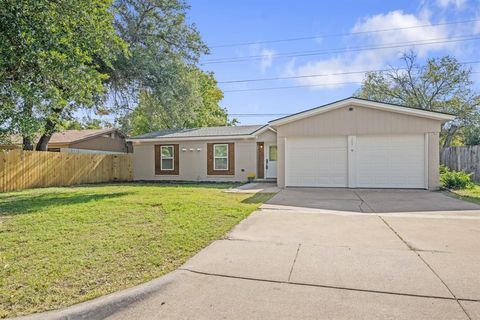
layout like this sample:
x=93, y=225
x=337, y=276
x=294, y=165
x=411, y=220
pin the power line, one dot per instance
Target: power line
x=258, y=114
x=323, y=74
x=341, y=34
x=342, y=50
x=302, y=86
x=292, y=87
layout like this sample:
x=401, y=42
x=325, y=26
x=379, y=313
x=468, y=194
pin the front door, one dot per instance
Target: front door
x=270, y=160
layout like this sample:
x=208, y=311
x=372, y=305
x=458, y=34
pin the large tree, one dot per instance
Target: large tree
x=195, y=103
x=59, y=56
x=48, y=62
x=441, y=84
x=159, y=86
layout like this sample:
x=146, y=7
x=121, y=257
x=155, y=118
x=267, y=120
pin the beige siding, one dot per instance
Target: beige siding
x=281, y=145
x=361, y=121
x=433, y=161
x=193, y=163
x=267, y=136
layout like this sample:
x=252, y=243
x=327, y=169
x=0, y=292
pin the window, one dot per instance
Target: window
x=220, y=157
x=272, y=153
x=167, y=158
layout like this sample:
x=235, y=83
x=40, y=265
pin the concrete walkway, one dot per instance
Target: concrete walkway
x=333, y=254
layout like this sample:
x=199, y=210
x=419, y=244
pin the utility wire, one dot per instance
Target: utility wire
x=323, y=74
x=291, y=87
x=341, y=50
x=258, y=114
x=301, y=86
x=342, y=34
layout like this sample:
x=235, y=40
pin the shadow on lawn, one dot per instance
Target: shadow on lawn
x=258, y=198
x=188, y=184
x=23, y=204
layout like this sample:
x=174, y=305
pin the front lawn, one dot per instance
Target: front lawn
x=60, y=246
x=472, y=194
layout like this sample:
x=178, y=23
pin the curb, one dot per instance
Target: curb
x=105, y=306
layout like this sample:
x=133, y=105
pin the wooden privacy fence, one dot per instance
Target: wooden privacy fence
x=32, y=169
x=465, y=158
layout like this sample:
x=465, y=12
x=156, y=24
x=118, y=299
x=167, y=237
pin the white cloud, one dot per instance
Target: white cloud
x=457, y=4
x=373, y=59
x=267, y=59
x=401, y=22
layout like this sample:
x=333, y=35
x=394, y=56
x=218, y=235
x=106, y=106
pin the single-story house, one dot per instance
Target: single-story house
x=108, y=141
x=351, y=143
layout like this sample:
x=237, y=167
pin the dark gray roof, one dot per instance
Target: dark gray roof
x=201, y=132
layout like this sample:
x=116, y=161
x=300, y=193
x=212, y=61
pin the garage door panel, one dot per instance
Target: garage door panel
x=383, y=161
x=390, y=161
x=317, y=162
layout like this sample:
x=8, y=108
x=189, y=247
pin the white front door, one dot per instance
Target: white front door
x=270, y=160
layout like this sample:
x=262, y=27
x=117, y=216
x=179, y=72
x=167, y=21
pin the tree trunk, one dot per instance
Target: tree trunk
x=450, y=134
x=27, y=110
x=50, y=127
x=27, y=143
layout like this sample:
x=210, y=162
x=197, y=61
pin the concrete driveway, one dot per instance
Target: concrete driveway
x=334, y=254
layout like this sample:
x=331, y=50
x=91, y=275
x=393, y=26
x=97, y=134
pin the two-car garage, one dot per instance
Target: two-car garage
x=356, y=143
x=366, y=161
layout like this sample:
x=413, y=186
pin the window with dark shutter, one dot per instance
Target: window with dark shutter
x=167, y=160
x=221, y=158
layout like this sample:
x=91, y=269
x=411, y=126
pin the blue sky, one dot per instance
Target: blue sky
x=233, y=22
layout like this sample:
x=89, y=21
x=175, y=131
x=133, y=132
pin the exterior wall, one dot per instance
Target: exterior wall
x=116, y=144
x=433, y=161
x=267, y=136
x=193, y=163
x=361, y=121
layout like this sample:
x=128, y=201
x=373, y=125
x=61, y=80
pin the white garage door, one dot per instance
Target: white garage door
x=317, y=162
x=396, y=161
x=390, y=161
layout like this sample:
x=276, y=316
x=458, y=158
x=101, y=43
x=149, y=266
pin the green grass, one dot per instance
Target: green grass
x=60, y=246
x=472, y=194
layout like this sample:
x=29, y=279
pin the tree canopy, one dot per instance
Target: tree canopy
x=441, y=84
x=125, y=58
x=48, y=69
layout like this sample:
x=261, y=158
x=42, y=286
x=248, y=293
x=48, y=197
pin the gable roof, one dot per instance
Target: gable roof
x=364, y=103
x=69, y=136
x=205, y=132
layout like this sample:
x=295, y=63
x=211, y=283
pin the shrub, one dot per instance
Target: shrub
x=443, y=169
x=451, y=179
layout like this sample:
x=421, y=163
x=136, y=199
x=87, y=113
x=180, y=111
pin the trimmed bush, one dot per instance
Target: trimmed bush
x=443, y=169
x=450, y=179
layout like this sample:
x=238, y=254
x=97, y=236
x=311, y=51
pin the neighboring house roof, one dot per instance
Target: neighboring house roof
x=206, y=132
x=70, y=136
x=366, y=103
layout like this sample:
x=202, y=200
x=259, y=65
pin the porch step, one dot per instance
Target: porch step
x=266, y=180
